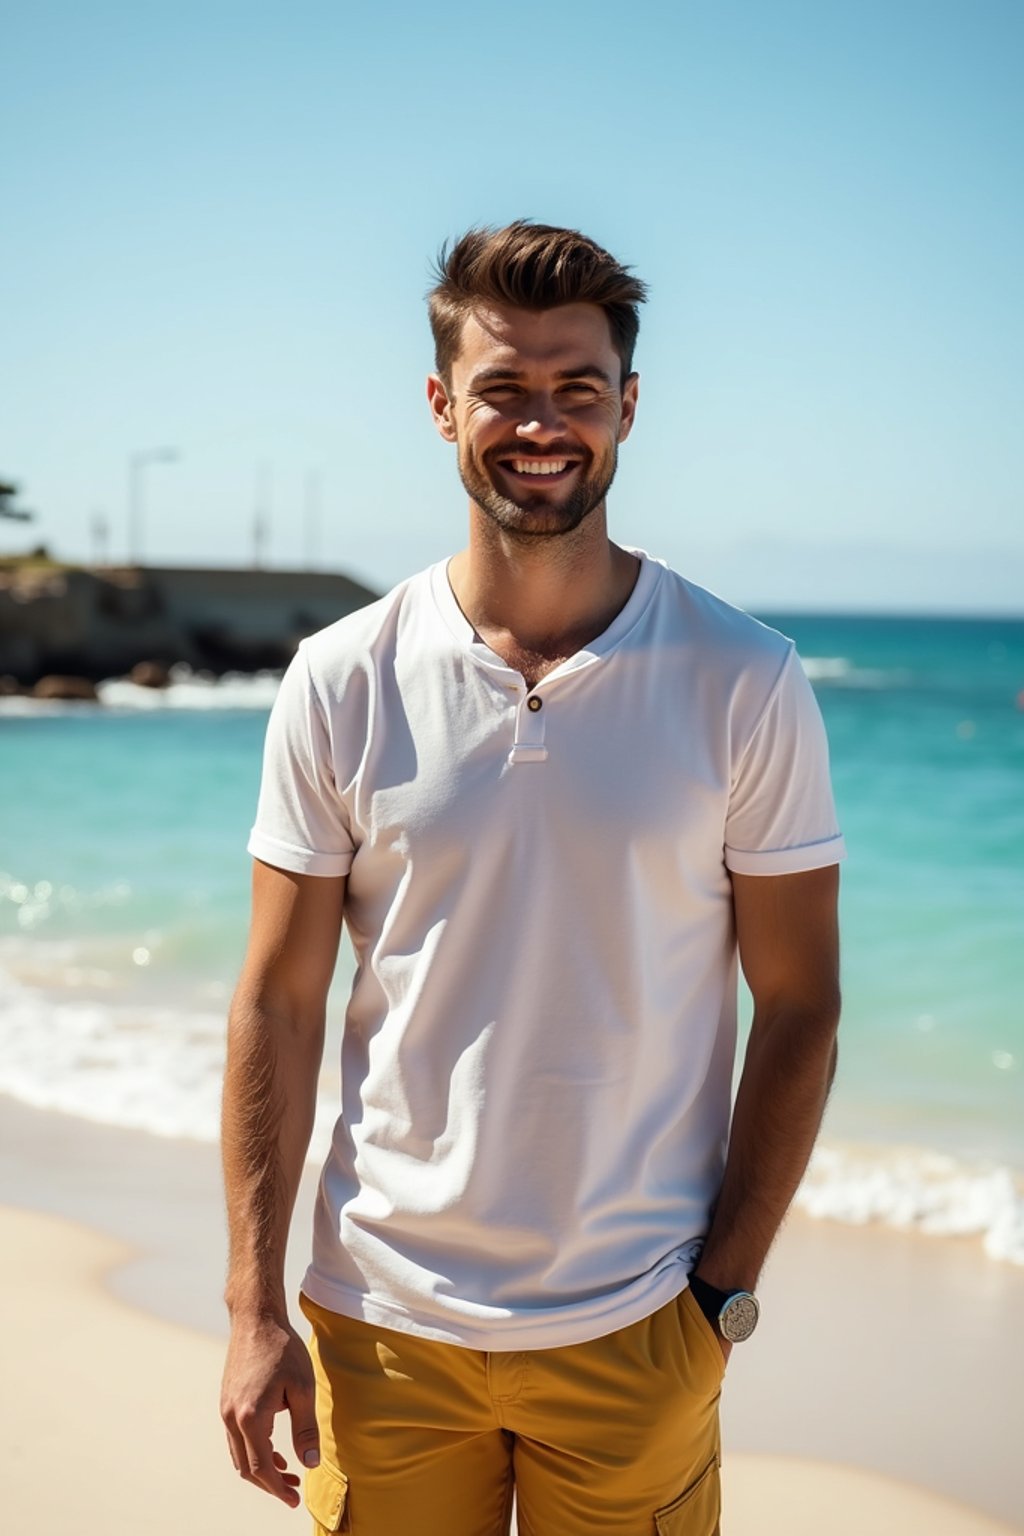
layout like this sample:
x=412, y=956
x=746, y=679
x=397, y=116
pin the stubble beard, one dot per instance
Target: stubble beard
x=541, y=516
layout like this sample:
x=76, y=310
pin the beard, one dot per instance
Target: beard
x=542, y=515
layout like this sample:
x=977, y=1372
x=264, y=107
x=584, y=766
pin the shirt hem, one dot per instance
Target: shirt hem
x=786, y=861
x=515, y=1330
x=298, y=861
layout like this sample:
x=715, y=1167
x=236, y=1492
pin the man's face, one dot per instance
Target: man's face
x=537, y=412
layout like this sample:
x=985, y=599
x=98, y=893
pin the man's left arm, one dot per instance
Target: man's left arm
x=787, y=931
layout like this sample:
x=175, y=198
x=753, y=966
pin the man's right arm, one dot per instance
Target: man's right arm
x=275, y=1045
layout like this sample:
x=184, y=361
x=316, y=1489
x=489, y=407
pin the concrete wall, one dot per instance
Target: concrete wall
x=99, y=622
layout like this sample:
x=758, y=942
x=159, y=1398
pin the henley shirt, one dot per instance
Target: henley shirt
x=538, y=1047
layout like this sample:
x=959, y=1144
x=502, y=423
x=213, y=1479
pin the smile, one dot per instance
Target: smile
x=538, y=466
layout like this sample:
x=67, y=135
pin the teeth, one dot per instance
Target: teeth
x=539, y=466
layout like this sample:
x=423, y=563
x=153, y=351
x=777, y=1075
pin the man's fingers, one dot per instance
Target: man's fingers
x=268, y=1371
x=305, y=1435
x=287, y=1477
x=234, y=1451
x=260, y=1457
x=236, y=1448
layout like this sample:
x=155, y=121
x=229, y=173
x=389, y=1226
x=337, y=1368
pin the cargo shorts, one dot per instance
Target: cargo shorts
x=618, y=1435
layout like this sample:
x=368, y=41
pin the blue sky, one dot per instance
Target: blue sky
x=218, y=223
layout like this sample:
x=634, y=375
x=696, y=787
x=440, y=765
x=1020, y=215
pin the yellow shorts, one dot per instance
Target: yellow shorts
x=617, y=1436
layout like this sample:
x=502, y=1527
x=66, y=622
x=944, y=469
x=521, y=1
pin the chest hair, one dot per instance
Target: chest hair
x=531, y=664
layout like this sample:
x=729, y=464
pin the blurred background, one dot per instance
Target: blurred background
x=219, y=221
x=218, y=226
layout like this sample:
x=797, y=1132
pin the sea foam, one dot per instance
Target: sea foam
x=911, y=1188
x=187, y=690
x=159, y=1069
x=121, y=1062
x=840, y=672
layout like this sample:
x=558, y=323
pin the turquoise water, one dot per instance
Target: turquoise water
x=927, y=739
x=124, y=889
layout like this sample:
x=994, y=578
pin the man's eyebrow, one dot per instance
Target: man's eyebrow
x=513, y=375
x=494, y=376
x=586, y=371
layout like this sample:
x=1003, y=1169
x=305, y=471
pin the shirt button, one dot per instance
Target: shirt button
x=534, y=703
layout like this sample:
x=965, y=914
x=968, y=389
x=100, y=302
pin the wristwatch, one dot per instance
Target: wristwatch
x=733, y=1313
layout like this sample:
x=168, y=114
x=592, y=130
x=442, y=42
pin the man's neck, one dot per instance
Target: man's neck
x=537, y=602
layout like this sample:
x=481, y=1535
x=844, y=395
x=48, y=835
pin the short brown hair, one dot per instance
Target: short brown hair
x=531, y=266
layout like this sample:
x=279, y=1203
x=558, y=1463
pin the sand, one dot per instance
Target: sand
x=883, y=1393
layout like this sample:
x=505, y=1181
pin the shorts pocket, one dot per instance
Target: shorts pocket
x=691, y=1307
x=697, y=1511
x=326, y=1494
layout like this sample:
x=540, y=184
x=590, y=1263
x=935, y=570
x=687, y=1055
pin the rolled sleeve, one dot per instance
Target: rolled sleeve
x=301, y=861
x=302, y=824
x=786, y=861
x=782, y=817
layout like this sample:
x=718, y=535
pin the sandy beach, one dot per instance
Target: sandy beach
x=881, y=1393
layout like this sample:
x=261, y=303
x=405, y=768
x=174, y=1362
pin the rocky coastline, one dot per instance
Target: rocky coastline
x=63, y=629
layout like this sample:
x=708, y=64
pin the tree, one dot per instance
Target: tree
x=8, y=491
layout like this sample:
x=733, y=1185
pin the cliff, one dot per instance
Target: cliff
x=100, y=622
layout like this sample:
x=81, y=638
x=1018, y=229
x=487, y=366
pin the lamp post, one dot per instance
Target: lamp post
x=311, y=519
x=137, y=464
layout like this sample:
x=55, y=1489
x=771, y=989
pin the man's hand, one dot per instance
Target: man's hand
x=268, y=1371
x=275, y=1042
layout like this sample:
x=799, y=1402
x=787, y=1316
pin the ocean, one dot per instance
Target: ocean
x=124, y=898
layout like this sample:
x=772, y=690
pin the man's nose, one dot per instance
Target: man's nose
x=541, y=420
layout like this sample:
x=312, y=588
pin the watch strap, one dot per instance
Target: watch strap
x=709, y=1298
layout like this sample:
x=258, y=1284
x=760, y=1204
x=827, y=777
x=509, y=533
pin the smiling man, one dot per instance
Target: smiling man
x=556, y=793
x=511, y=468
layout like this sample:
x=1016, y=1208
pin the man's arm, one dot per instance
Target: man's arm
x=275, y=1044
x=787, y=931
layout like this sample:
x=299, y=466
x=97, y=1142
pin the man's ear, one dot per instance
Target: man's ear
x=630, y=392
x=441, y=406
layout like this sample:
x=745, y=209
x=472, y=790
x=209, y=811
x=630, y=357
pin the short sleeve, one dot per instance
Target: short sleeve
x=781, y=818
x=301, y=821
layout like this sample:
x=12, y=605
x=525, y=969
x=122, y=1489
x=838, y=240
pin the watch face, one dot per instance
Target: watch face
x=738, y=1318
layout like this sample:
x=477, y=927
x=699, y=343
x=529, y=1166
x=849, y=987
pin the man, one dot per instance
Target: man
x=551, y=788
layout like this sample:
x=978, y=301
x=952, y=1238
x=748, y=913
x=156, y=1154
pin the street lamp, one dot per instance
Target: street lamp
x=137, y=463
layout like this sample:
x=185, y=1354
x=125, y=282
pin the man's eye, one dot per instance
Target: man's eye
x=580, y=390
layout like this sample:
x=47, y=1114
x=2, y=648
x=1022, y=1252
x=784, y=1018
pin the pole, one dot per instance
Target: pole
x=261, y=515
x=100, y=530
x=134, y=508
x=311, y=519
x=137, y=462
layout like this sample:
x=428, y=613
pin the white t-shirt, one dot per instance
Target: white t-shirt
x=539, y=1043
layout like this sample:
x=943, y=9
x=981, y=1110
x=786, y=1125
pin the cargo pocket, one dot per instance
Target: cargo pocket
x=697, y=1511
x=326, y=1495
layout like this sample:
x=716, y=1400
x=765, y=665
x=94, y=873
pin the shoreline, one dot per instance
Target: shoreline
x=116, y=1459
x=937, y=1191
x=881, y=1356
